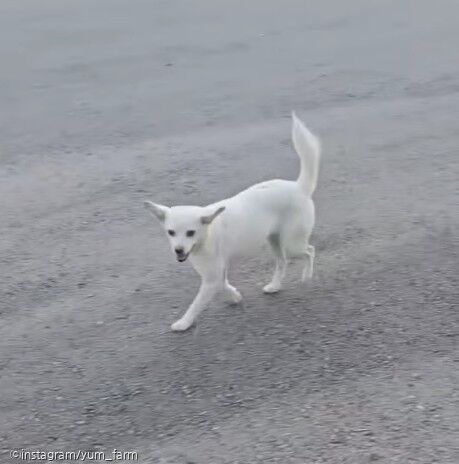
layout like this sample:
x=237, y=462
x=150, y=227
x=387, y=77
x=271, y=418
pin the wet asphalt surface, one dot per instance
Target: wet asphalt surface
x=104, y=104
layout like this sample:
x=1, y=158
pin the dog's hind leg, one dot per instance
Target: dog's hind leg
x=281, y=264
x=309, y=266
x=231, y=292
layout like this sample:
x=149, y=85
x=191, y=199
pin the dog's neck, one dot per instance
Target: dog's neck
x=206, y=242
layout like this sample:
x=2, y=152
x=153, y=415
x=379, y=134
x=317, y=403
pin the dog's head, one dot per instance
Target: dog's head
x=186, y=226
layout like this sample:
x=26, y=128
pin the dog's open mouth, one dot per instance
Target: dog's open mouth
x=183, y=257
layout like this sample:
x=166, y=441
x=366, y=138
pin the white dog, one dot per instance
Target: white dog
x=279, y=212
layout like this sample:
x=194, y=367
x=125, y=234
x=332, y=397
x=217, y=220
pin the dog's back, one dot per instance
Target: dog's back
x=275, y=207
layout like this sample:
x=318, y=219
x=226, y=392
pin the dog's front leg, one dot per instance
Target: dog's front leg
x=205, y=294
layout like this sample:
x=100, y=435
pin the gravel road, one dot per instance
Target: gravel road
x=106, y=103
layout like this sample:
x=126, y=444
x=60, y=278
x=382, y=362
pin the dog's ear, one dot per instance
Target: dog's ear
x=209, y=218
x=158, y=211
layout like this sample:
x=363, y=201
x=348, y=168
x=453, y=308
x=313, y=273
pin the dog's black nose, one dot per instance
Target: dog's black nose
x=179, y=250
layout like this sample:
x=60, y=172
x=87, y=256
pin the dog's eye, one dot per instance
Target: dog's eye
x=171, y=232
x=190, y=233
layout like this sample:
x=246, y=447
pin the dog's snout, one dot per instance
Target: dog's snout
x=180, y=254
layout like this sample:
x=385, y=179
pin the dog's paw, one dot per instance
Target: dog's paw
x=235, y=297
x=181, y=325
x=307, y=275
x=271, y=288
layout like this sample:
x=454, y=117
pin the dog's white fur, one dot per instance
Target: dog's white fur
x=279, y=212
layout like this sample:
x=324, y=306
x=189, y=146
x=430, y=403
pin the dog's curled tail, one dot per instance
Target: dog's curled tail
x=307, y=146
